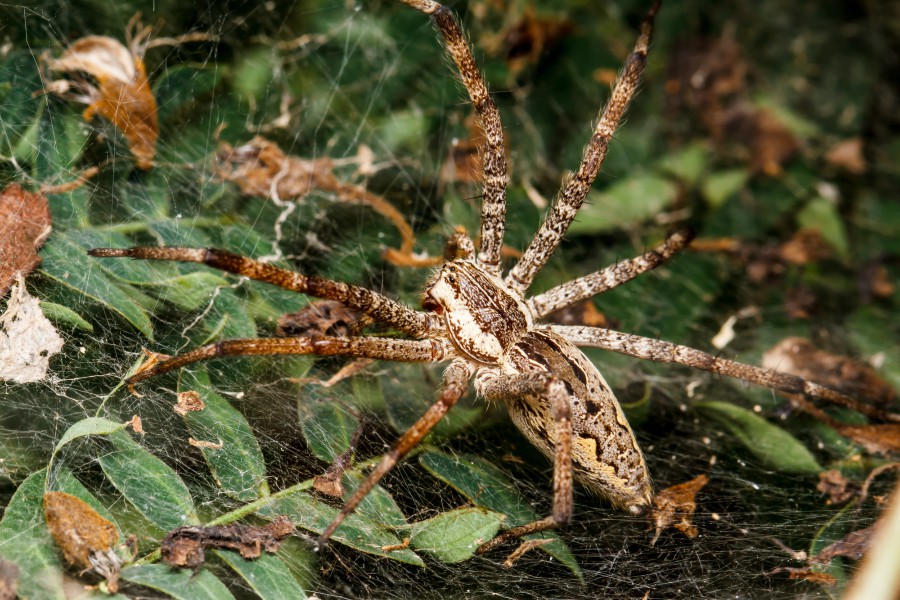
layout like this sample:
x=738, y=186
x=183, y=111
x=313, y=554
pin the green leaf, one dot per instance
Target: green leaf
x=64, y=315
x=722, y=185
x=154, y=489
x=267, y=575
x=624, y=204
x=378, y=504
x=183, y=584
x=357, y=531
x=188, y=292
x=327, y=427
x=822, y=215
x=238, y=466
x=85, y=427
x=687, y=164
x=26, y=541
x=488, y=487
x=65, y=261
x=453, y=536
x=769, y=443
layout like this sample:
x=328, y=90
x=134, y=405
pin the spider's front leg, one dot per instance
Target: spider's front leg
x=495, y=386
x=375, y=305
x=456, y=379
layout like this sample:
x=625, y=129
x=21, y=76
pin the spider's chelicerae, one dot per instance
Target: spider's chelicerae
x=486, y=326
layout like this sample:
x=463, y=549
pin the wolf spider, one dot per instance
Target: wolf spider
x=485, y=325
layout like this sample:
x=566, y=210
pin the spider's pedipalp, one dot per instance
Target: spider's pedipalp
x=611, y=277
x=493, y=153
x=379, y=307
x=575, y=188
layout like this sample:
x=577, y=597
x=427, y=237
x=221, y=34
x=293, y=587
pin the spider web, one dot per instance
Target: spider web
x=348, y=81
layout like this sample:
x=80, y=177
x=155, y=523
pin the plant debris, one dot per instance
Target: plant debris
x=85, y=538
x=675, y=506
x=525, y=40
x=838, y=488
x=9, y=580
x=189, y=401
x=800, y=357
x=322, y=317
x=24, y=225
x=185, y=547
x=27, y=338
x=330, y=482
x=260, y=168
x=121, y=95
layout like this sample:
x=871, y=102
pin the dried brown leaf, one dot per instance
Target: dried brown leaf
x=322, y=317
x=136, y=424
x=78, y=529
x=119, y=92
x=853, y=546
x=9, y=580
x=185, y=547
x=848, y=155
x=838, y=488
x=189, y=401
x=523, y=41
x=674, y=507
x=261, y=168
x=24, y=225
x=801, y=357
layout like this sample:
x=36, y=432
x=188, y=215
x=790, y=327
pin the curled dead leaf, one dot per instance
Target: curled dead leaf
x=848, y=155
x=838, y=488
x=25, y=224
x=118, y=90
x=189, y=401
x=185, y=547
x=261, y=168
x=85, y=538
x=799, y=356
x=675, y=506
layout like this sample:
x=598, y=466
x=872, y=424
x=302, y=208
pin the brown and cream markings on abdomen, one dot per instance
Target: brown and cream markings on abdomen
x=605, y=456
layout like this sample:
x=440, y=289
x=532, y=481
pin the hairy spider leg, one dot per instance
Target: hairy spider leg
x=575, y=188
x=611, y=277
x=500, y=387
x=493, y=152
x=661, y=351
x=456, y=379
x=430, y=350
x=379, y=307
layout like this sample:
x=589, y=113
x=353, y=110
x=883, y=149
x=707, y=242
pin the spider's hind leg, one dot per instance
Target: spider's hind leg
x=544, y=384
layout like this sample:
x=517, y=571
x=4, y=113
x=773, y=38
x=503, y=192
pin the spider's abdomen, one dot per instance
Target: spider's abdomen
x=606, y=458
x=484, y=318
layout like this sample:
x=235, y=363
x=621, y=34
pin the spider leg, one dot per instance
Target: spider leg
x=611, y=277
x=431, y=350
x=657, y=350
x=379, y=307
x=576, y=187
x=456, y=379
x=493, y=153
x=506, y=387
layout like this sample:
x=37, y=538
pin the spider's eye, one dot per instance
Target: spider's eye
x=451, y=279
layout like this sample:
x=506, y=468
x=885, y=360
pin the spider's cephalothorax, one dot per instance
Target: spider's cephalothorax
x=490, y=329
x=484, y=317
